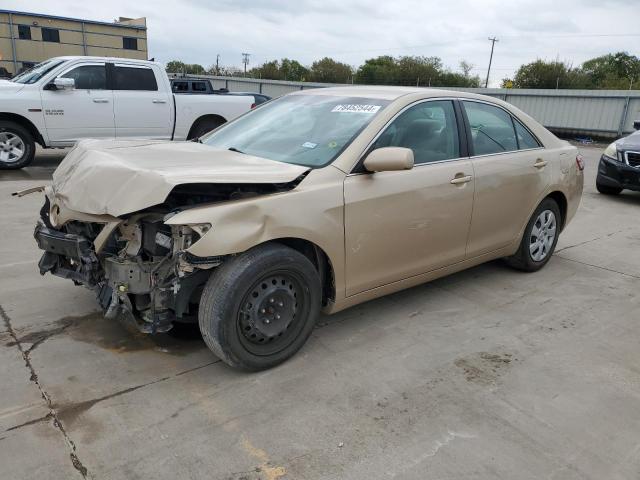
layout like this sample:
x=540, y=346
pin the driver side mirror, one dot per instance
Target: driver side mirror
x=636, y=124
x=61, y=83
x=389, y=159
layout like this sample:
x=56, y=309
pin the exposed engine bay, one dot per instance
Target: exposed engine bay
x=139, y=266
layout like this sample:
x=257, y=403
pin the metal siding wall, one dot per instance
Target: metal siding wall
x=579, y=111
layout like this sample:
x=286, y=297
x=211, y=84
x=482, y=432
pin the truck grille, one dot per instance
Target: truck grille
x=633, y=159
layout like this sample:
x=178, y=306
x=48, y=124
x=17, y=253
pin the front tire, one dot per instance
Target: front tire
x=260, y=307
x=607, y=190
x=540, y=238
x=17, y=147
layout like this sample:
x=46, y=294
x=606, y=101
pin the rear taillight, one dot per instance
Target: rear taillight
x=253, y=105
x=580, y=162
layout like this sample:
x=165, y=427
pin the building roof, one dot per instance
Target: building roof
x=56, y=17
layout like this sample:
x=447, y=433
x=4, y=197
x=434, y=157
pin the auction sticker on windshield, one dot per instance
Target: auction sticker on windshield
x=356, y=108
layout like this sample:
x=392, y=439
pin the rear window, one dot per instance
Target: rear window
x=134, y=78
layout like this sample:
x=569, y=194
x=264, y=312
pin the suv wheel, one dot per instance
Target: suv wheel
x=539, y=239
x=606, y=190
x=259, y=308
x=17, y=147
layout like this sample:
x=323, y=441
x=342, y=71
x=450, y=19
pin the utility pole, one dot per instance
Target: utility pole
x=218, y=64
x=493, y=41
x=245, y=60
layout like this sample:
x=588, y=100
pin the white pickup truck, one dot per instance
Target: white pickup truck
x=65, y=99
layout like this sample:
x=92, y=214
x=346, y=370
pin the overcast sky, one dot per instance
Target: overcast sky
x=353, y=30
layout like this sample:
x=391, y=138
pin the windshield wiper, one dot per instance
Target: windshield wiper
x=234, y=149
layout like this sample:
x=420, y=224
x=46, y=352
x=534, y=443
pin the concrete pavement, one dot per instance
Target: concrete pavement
x=489, y=373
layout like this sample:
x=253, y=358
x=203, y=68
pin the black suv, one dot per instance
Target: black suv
x=619, y=167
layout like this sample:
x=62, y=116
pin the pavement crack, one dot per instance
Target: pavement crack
x=30, y=422
x=38, y=338
x=71, y=411
x=600, y=267
x=71, y=446
x=592, y=240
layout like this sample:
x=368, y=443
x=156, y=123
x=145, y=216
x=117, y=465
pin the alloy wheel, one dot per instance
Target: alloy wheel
x=12, y=147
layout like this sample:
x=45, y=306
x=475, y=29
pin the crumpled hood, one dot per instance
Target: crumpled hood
x=117, y=177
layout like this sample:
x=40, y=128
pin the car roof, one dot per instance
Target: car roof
x=103, y=59
x=388, y=92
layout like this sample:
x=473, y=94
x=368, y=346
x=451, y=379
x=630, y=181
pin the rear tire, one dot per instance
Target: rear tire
x=606, y=190
x=17, y=146
x=204, y=126
x=260, y=307
x=539, y=239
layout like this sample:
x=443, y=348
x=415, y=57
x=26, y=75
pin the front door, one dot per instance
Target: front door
x=85, y=111
x=511, y=171
x=405, y=223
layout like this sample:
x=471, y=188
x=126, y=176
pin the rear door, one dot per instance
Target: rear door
x=142, y=106
x=511, y=171
x=85, y=111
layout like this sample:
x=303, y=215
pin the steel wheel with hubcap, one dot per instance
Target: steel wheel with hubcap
x=539, y=239
x=543, y=234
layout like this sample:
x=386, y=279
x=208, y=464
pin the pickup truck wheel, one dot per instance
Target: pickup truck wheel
x=204, y=126
x=17, y=147
x=260, y=307
x=539, y=239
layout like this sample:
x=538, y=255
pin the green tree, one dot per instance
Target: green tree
x=554, y=74
x=615, y=70
x=378, y=71
x=293, y=70
x=176, y=66
x=285, y=69
x=328, y=70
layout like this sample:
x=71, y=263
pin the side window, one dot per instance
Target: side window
x=180, y=86
x=429, y=129
x=525, y=139
x=134, y=78
x=88, y=77
x=199, y=87
x=491, y=129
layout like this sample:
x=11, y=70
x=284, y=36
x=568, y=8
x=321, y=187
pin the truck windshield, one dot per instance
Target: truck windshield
x=308, y=130
x=35, y=73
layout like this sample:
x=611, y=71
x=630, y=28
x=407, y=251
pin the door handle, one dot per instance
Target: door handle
x=157, y=100
x=540, y=163
x=100, y=100
x=460, y=180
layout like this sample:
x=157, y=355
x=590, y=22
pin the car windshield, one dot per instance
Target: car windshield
x=37, y=72
x=308, y=130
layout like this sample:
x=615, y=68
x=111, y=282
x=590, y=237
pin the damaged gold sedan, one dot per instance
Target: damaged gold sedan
x=319, y=200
